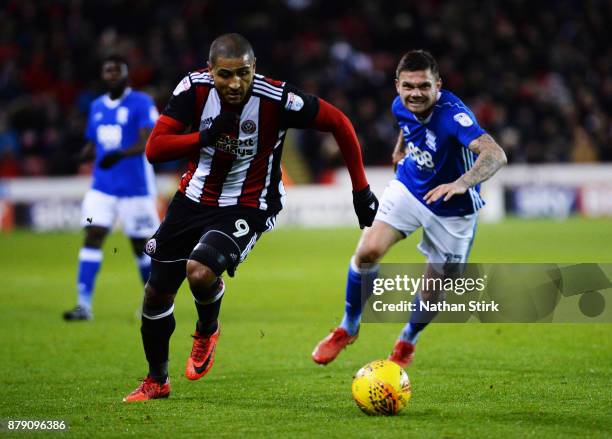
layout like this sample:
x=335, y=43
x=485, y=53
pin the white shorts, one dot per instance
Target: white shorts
x=445, y=238
x=138, y=215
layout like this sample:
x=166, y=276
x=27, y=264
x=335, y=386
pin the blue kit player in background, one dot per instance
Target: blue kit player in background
x=441, y=157
x=123, y=185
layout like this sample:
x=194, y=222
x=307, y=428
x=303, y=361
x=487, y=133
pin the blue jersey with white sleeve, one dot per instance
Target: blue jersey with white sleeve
x=437, y=152
x=115, y=125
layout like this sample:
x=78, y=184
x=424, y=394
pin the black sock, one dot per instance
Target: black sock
x=208, y=313
x=156, y=341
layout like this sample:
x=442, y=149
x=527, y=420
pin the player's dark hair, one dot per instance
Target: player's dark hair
x=417, y=60
x=113, y=57
x=230, y=46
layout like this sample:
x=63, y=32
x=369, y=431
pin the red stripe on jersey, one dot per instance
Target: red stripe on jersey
x=255, y=181
x=201, y=94
x=221, y=165
x=188, y=175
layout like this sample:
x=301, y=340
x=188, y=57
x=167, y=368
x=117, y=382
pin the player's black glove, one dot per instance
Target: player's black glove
x=226, y=122
x=366, y=205
x=110, y=159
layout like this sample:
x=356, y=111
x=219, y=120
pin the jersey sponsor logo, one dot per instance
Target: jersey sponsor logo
x=237, y=147
x=463, y=119
x=182, y=86
x=248, y=127
x=294, y=102
x=423, y=159
x=109, y=136
x=122, y=115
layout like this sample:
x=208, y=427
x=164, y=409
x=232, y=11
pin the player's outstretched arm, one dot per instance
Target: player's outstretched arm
x=331, y=119
x=168, y=142
x=491, y=157
x=399, y=152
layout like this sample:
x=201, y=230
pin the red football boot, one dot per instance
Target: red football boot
x=403, y=353
x=149, y=389
x=202, y=355
x=329, y=348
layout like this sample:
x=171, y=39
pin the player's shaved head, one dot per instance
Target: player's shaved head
x=230, y=46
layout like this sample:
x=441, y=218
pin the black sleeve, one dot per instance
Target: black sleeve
x=181, y=103
x=299, y=109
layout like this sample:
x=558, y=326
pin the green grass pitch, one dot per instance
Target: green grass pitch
x=471, y=380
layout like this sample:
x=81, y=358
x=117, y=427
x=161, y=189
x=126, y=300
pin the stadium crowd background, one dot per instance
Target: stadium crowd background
x=538, y=75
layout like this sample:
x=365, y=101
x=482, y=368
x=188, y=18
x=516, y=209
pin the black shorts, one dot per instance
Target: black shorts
x=187, y=221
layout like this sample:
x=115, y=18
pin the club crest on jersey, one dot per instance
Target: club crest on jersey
x=463, y=119
x=151, y=246
x=248, y=127
x=294, y=102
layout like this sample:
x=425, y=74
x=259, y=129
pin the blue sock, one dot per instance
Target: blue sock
x=353, y=305
x=144, y=266
x=90, y=260
x=419, y=319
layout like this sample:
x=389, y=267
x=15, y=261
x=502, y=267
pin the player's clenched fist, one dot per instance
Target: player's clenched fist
x=366, y=205
x=226, y=122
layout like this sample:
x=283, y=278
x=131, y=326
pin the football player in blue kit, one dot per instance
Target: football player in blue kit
x=441, y=157
x=123, y=185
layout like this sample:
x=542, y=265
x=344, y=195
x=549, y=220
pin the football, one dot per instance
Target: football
x=381, y=388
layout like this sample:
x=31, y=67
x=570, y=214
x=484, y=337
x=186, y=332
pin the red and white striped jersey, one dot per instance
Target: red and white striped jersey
x=243, y=168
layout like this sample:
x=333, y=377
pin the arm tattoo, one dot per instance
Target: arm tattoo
x=490, y=158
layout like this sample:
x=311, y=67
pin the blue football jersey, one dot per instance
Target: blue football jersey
x=437, y=152
x=115, y=125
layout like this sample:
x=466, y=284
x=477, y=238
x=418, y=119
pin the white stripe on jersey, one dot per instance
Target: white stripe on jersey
x=268, y=88
x=468, y=162
x=196, y=184
x=201, y=76
x=467, y=166
x=261, y=79
x=232, y=186
x=265, y=93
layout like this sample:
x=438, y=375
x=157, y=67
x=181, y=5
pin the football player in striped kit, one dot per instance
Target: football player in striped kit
x=441, y=157
x=230, y=123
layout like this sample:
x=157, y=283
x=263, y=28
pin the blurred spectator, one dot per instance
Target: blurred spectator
x=538, y=74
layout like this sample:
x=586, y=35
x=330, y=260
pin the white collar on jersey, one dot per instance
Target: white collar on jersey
x=114, y=103
x=428, y=118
